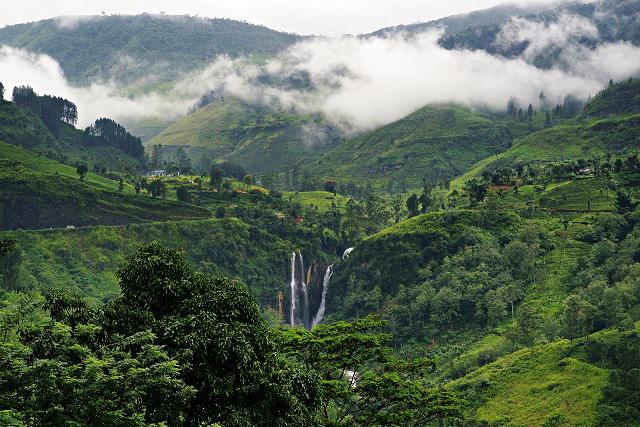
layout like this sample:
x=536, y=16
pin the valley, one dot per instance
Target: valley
x=255, y=261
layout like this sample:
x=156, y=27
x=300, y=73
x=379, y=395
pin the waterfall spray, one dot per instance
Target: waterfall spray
x=292, y=319
x=325, y=287
x=305, y=294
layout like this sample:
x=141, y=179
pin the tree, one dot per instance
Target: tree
x=9, y=259
x=547, y=120
x=157, y=188
x=156, y=156
x=107, y=132
x=331, y=185
x=215, y=177
x=1, y=91
x=215, y=329
x=477, y=191
x=361, y=382
x=527, y=325
x=398, y=207
x=183, y=161
x=530, y=112
x=446, y=307
x=248, y=181
x=624, y=204
x=425, y=199
x=183, y=195
x=82, y=170
x=512, y=108
x=511, y=294
x=412, y=205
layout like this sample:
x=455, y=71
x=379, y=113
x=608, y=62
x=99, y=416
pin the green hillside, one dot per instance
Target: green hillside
x=617, y=136
x=258, y=138
x=20, y=126
x=86, y=260
x=436, y=143
x=618, y=98
x=125, y=47
x=36, y=192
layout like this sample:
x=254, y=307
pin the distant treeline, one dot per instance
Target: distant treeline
x=110, y=133
x=51, y=109
x=54, y=110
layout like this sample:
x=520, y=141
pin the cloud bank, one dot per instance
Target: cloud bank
x=363, y=84
x=43, y=73
x=360, y=84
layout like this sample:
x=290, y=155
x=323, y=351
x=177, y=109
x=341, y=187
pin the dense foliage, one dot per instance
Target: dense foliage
x=125, y=47
x=111, y=133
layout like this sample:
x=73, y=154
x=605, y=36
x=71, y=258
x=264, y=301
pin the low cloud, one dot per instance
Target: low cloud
x=360, y=84
x=363, y=84
x=43, y=73
x=565, y=31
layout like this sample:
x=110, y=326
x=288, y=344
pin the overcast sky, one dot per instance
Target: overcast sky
x=328, y=17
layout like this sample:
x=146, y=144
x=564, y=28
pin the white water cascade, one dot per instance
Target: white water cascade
x=305, y=294
x=323, y=301
x=346, y=253
x=292, y=285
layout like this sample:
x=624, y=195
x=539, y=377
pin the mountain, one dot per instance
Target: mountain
x=261, y=139
x=457, y=23
x=60, y=141
x=608, y=127
x=41, y=193
x=157, y=48
x=614, y=21
x=436, y=143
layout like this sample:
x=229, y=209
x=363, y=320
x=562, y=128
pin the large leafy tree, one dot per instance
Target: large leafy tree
x=362, y=383
x=213, y=327
x=58, y=367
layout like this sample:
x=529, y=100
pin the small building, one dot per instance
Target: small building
x=585, y=171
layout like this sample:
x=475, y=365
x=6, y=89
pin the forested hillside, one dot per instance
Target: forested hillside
x=261, y=139
x=43, y=124
x=256, y=264
x=433, y=144
x=128, y=48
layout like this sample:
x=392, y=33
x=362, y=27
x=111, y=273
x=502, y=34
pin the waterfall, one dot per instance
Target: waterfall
x=325, y=287
x=292, y=285
x=305, y=294
x=305, y=291
x=346, y=253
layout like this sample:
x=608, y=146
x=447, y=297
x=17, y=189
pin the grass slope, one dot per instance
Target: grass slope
x=434, y=142
x=545, y=385
x=260, y=139
x=85, y=260
x=571, y=140
x=36, y=192
x=128, y=47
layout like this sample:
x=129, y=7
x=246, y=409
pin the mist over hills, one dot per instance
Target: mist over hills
x=433, y=224
x=151, y=48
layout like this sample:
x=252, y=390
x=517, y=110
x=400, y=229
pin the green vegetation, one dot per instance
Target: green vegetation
x=434, y=143
x=179, y=347
x=41, y=193
x=323, y=201
x=99, y=46
x=508, y=296
x=263, y=141
x=62, y=142
x=618, y=98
